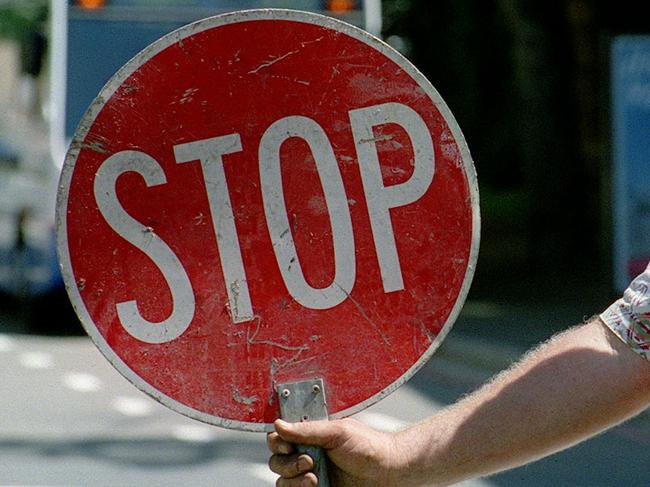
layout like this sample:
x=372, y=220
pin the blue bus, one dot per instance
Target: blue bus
x=92, y=39
x=89, y=41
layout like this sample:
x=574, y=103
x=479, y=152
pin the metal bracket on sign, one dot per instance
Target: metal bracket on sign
x=305, y=401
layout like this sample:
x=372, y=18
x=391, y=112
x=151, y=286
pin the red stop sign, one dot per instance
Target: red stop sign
x=261, y=198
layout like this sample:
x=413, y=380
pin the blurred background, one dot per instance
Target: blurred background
x=554, y=101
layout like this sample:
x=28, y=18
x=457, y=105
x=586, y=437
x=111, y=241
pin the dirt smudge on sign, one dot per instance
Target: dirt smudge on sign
x=241, y=399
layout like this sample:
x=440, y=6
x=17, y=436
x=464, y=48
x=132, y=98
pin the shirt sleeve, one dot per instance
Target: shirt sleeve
x=629, y=317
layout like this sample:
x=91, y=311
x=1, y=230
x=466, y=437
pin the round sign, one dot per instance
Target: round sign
x=266, y=197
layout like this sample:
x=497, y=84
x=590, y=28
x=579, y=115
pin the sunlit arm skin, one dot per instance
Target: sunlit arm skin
x=572, y=387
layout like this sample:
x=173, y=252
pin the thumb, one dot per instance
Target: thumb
x=326, y=434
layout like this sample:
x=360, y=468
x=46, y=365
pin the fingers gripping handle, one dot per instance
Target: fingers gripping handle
x=320, y=463
x=305, y=401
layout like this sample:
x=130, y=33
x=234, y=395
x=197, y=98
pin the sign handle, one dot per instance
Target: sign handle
x=320, y=463
x=305, y=401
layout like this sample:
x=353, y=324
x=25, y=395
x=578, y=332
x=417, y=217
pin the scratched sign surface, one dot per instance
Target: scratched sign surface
x=265, y=197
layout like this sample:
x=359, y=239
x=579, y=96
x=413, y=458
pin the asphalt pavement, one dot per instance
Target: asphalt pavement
x=68, y=419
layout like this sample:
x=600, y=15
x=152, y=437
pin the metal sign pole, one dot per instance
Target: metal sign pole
x=305, y=401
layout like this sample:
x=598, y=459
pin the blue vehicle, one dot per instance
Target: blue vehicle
x=90, y=40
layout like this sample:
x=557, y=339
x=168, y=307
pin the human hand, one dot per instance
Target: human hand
x=358, y=455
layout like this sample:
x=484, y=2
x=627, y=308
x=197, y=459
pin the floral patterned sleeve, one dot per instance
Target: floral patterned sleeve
x=629, y=317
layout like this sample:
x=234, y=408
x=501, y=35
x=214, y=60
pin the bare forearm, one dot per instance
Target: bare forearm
x=574, y=386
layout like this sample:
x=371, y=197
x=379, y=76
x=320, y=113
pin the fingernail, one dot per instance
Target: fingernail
x=303, y=464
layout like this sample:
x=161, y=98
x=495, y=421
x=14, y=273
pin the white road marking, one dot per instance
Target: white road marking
x=262, y=472
x=36, y=360
x=82, y=382
x=131, y=406
x=6, y=344
x=194, y=433
x=381, y=422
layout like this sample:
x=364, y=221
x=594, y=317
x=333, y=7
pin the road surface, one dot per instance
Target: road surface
x=67, y=418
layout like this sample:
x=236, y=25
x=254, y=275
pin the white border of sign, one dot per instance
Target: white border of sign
x=158, y=46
